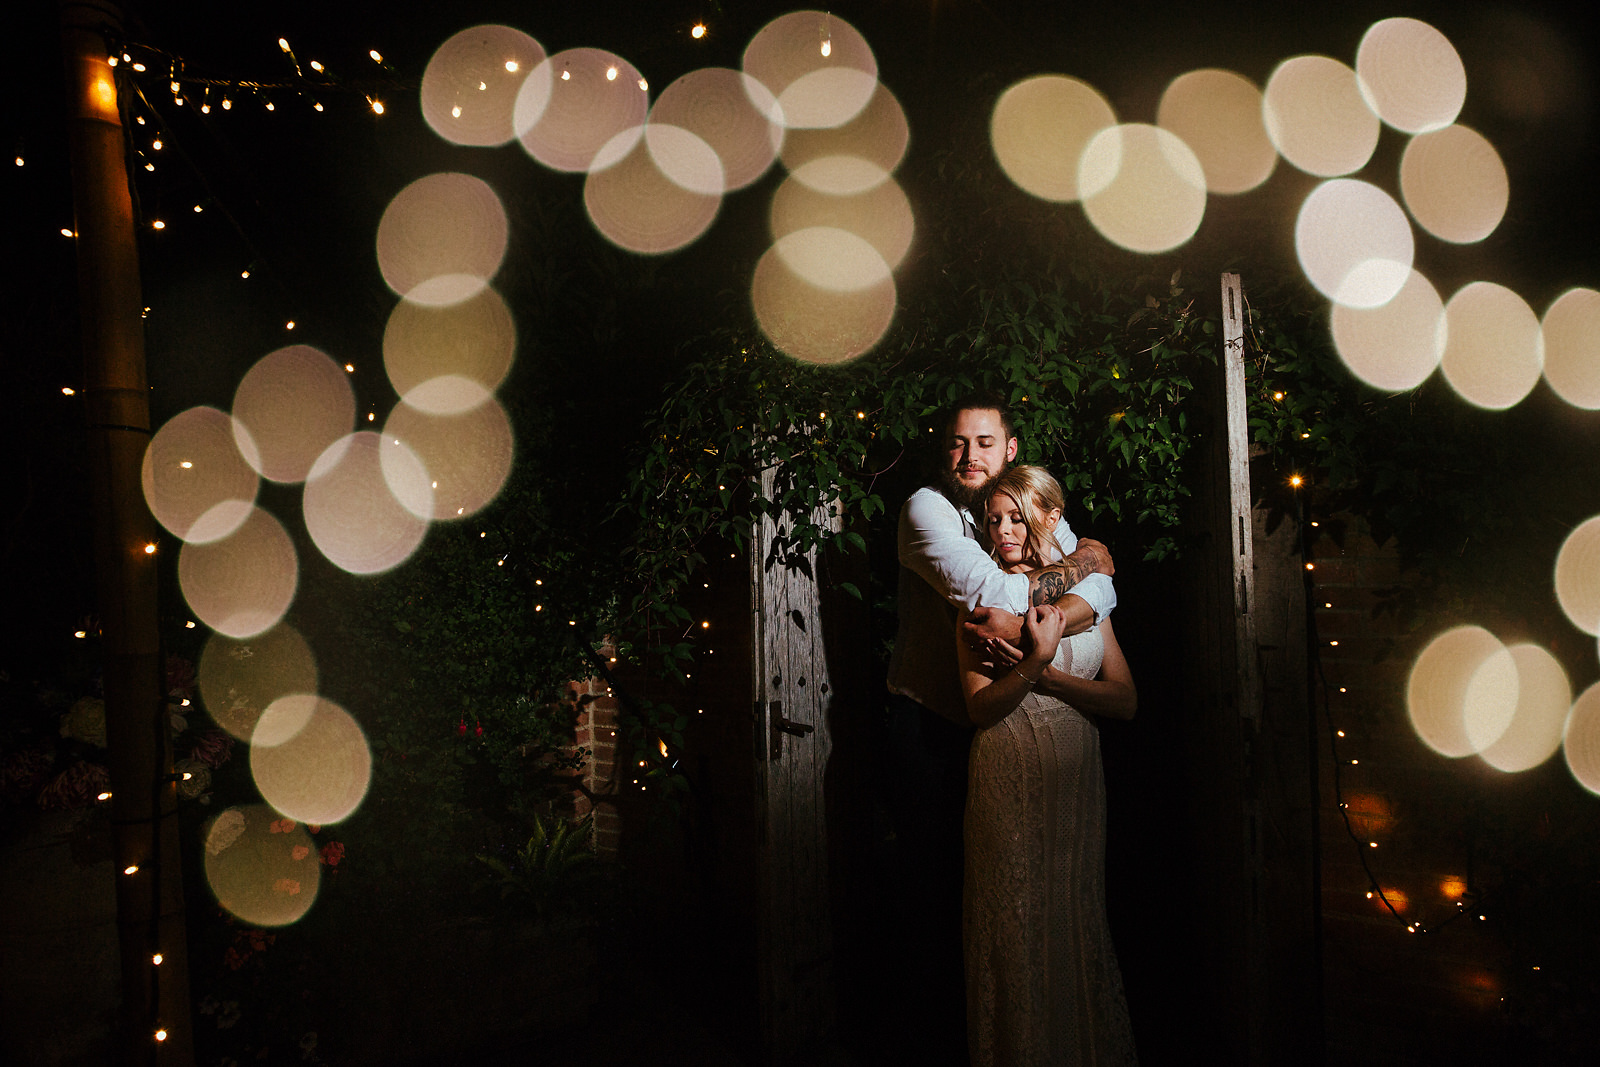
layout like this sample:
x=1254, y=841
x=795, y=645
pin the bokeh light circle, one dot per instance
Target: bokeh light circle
x=242, y=584
x=263, y=868
x=449, y=359
x=814, y=86
x=1577, y=576
x=816, y=323
x=467, y=456
x=442, y=239
x=719, y=106
x=832, y=259
x=1396, y=345
x=1217, y=113
x=1454, y=184
x=881, y=216
x=638, y=205
x=1142, y=187
x=1039, y=129
x=1544, y=696
x=1490, y=703
x=1445, y=678
x=1571, y=328
x=1315, y=116
x=320, y=766
x=1411, y=75
x=840, y=175
x=878, y=134
x=353, y=503
x=1580, y=741
x=239, y=678
x=1354, y=243
x=289, y=407
x=195, y=481
x=470, y=86
x=573, y=103
x=1494, y=352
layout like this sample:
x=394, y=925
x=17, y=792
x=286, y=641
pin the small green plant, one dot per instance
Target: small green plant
x=557, y=862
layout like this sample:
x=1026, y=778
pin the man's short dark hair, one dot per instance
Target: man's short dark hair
x=978, y=402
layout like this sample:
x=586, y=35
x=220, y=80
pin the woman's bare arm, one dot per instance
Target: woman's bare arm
x=993, y=693
x=1110, y=693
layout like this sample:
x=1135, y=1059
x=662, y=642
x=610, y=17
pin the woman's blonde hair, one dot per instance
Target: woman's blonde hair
x=1036, y=493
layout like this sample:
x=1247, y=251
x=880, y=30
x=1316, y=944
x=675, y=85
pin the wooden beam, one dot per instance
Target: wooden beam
x=1240, y=499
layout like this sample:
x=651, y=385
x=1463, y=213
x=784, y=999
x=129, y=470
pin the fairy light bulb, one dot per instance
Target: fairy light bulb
x=227, y=105
x=156, y=959
x=511, y=66
x=283, y=44
x=611, y=74
x=131, y=869
x=377, y=105
x=161, y=1035
x=698, y=31
x=316, y=66
x=376, y=57
x=455, y=112
x=827, y=46
x=566, y=75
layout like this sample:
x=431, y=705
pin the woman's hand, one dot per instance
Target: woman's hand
x=1044, y=626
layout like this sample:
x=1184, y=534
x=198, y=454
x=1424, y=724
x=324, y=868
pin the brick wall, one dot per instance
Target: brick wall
x=597, y=732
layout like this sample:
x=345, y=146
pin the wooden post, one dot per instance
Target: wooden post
x=792, y=744
x=1239, y=499
x=144, y=798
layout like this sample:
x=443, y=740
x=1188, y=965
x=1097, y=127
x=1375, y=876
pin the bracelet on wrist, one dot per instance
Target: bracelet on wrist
x=1031, y=681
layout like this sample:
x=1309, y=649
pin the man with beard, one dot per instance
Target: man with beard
x=943, y=569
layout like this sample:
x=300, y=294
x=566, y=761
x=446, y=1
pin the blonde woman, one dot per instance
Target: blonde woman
x=1043, y=986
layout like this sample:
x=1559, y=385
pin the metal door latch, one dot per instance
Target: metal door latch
x=781, y=726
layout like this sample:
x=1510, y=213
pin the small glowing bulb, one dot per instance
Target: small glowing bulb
x=156, y=144
x=1355, y=763
x=139, y=67
x=187, y=775
x=1277, y=396
x=150, y=167
x=244, y=274
x=189, y=625
x=1342, y=689
x=318, y=106
x=283, y=44
x=827, y=46
x=644, y=84
x=572, y=622
x=377, y=107
x=227, y=105
x=1369, y=894
x=566, y=75
x=80, y=633
x=483, y=87
x=198, y=208
x=289, y=325
x=455, y=112
x=174, y=88
x=1296, y=481
x=132, y=868
x=699, y=31
x=1340, y=733
x=538, y=607
x=103, y=796
x=1333, y=644
x=611, y=74
x=705, y=625
x=186, y=464
x=371, y=416
x=376, y=58
x=511, y=66
x=139, y=119
x=149, y=550
x=349, y=368
x=161, y=1035
x=1311, y=566
x=156, y=959
x=1305, y=437
x=112, y=60
x=68, y=233
x=67, y=390
x=271, y=106
x=316, y=66
x=1372, y=844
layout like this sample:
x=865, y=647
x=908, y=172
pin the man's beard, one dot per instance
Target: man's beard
x=962, y=495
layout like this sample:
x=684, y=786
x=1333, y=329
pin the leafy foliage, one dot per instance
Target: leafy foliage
x=549, y=871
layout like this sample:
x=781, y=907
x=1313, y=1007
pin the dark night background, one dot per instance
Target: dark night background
x=296, y=196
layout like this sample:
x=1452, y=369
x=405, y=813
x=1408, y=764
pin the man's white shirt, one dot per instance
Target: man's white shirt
x=944, y=569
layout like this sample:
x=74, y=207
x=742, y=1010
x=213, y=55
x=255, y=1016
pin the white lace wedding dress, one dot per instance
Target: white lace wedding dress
x=1043, y=987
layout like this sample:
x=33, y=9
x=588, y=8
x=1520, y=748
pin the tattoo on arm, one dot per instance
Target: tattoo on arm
x=1052, y=584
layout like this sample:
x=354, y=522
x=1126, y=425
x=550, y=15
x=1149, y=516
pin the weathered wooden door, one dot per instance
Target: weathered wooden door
x=792, y=745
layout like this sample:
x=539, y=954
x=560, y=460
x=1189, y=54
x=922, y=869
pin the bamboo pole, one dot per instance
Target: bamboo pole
x=150, y=915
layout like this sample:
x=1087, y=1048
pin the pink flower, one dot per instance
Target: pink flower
x=300, y=852
x=332, y=853
x=280, y=826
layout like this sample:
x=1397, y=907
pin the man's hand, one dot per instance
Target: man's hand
x=988, y=624
x=1093, y=554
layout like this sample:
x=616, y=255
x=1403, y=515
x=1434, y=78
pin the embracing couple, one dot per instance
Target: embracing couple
x=1004, y=651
